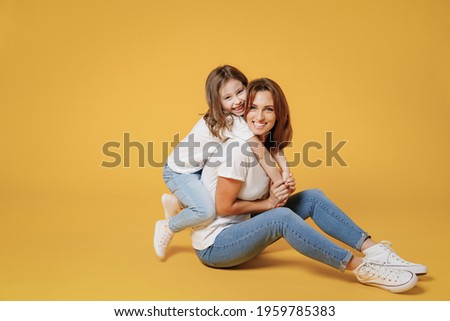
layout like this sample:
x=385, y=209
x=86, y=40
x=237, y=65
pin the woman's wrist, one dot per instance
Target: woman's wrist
x=270, y=205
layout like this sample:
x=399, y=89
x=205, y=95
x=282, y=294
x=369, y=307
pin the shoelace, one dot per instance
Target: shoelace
x=166, y=237
x=394, y=255
x=370, y=271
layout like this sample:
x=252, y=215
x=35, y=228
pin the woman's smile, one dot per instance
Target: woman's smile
x=261, y=115
x=258, y=125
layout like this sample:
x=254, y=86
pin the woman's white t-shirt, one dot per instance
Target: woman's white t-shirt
x=191, y=154
x=236, y=161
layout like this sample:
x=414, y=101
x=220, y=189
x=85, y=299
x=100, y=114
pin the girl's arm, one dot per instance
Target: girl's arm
x=283, y=163
x=227, y=202
x=266, y=160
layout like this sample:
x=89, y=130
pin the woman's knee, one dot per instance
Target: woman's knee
x=313, y=193
x=286, y=220
x=283, y=214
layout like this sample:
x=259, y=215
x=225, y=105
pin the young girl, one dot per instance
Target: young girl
x=226, y=95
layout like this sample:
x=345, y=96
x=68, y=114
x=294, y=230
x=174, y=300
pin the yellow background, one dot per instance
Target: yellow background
x=77, y=74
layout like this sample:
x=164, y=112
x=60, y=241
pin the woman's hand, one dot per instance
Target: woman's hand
x=279, y=193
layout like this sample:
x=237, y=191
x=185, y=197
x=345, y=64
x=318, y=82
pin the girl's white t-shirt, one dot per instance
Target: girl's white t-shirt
x=191, y=154
x=236, y=161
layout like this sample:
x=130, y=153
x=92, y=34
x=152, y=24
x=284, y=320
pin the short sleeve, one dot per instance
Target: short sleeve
x=236, y=160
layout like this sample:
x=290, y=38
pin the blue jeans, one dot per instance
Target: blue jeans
x=198, y=205
x=241, y=242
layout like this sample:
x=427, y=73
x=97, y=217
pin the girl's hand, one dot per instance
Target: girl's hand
x=279, y=194
x=290, y=183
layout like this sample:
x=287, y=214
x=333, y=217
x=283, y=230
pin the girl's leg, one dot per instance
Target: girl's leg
x=243, y=241
x=313, y=203
x=198, y=206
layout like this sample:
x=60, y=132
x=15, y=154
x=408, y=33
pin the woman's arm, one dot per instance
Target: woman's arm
x=227, y=202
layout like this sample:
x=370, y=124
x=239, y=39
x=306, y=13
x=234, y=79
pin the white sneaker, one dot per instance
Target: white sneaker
x=163, y=236
x=383, y=254
x=384, y=277
x=171, y=205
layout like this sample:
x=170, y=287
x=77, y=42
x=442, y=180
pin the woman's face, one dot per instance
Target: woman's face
x=261, y=116
x=232, y=97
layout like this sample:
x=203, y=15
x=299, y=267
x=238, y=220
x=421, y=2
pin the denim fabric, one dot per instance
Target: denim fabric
x=240, y=242
x=198, y=206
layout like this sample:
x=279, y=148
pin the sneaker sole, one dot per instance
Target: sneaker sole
x=416, y=270
x=398, y=288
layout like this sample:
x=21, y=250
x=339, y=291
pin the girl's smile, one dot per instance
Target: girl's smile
x=232, y=97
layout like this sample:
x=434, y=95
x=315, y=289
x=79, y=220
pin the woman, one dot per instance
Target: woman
x=240, y=188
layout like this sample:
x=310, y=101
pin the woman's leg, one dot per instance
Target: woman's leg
x=330, y=219
x=313, y=203
x=243, y=241
x=198, y=206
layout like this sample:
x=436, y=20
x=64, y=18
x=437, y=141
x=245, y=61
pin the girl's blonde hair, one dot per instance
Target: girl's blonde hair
x=216, y=119
x=281, y=134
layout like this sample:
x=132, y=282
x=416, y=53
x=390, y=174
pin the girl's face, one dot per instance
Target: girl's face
x=232, y=97
x=261, y=115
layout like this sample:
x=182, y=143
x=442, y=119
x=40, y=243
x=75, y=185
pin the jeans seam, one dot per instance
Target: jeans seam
x=242, y=238
x=314, y=246
x=285, y=226
x=325, y=208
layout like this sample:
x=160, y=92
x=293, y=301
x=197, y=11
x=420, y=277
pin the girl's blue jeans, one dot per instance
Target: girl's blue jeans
x=198, y=208
x=241, y=242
